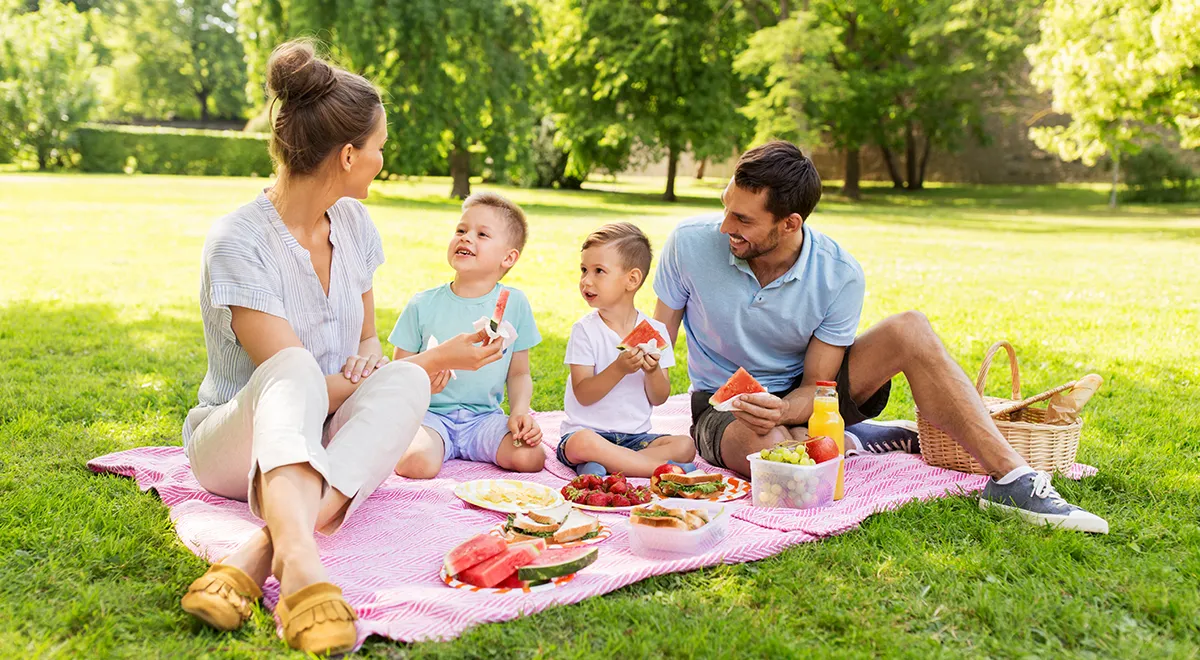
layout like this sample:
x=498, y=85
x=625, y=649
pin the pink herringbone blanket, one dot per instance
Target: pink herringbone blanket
x=386, y=558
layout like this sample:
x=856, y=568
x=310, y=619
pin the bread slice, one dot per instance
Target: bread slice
x=693, y=521
x=528, y=524
x=577, y=525
x=665, y=522
x=553, y=515
x=691, y=478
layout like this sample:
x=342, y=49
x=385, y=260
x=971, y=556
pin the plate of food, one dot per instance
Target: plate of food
x=676, y=527
x=670, y=480
x=563, y=526
x=487, y=563
x=605, y=494
x=507, y=495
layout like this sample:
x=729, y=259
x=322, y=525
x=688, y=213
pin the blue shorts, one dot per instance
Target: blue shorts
x=469, y=435
x=634, y=441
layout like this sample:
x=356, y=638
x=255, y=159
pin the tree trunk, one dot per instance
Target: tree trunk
x=783, y=10
x=460, y=172
x=202, y=98
x=1112, y=195
x=910, y=155
x=924, y=161
x=672, y=166
x=700, y=169
x=43, y=156
x=894, y=173
x=850, y=187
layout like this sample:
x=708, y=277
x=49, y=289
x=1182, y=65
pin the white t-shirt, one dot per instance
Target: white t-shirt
x=625, y=409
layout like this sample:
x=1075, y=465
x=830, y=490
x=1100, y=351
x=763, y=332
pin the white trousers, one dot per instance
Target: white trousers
x=279, y=418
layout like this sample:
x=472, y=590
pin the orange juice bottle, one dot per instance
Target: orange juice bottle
x=827, y=421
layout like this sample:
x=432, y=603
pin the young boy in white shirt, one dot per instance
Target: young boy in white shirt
x=611, y=393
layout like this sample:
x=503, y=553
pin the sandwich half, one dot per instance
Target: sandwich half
x=693, y=485
x=578, y=526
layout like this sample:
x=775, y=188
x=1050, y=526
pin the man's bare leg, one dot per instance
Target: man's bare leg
x=906, y=344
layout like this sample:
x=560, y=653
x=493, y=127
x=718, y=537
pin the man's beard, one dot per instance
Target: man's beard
x=756, y=250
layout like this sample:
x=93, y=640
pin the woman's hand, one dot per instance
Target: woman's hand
x=464, y=352
x=358, y=367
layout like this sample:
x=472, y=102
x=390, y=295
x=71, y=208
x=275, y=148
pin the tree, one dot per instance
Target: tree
x=177, y=59
x=650, y=72
x=1118, y=68
x=45, y=80
x=456, y=75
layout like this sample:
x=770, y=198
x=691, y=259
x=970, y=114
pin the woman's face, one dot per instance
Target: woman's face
x=366, y=163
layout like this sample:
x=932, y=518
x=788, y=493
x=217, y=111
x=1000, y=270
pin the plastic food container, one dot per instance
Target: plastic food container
x=655, y=542
x=789, y=486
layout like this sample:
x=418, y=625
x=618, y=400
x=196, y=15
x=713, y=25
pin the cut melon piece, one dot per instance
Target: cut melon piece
x=557, y=563
x=473, y=551
x=501, y=305
x=491, y=572
x=643, y=333
x=514, y=582
x=741, y=382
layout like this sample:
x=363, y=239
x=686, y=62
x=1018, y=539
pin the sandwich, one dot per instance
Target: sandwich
x=669, y=518
x=693, y=485
x=560, y=524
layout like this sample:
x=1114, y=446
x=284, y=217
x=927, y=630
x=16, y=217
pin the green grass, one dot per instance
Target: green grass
x=101, y=350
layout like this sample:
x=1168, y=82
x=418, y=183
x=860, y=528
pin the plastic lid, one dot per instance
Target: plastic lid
x=826, y=383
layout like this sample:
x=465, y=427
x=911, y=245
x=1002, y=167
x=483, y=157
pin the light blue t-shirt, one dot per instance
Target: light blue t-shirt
x=733, y=322
x=440, y=313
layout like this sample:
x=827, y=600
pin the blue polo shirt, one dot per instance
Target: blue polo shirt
x=731, y=321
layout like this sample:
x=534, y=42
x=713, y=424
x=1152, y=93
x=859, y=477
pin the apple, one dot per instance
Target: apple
x=663, y=469
x=821, y=448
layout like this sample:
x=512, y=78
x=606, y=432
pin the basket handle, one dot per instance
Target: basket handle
x=1012, y=363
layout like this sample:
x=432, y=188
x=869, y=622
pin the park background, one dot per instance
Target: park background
x=1016, y=170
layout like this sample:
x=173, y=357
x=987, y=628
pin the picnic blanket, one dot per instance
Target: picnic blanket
x=387, y=557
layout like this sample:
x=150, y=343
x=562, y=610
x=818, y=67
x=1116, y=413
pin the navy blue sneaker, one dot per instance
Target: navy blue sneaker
x=1033, y=498
x=884, y=437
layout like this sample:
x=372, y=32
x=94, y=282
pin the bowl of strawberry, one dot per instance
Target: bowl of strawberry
x=611, y=493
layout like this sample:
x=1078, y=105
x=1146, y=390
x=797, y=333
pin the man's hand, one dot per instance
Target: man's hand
x=761, y=412
x=358, y=367
x=629, y=361
x=524, y=430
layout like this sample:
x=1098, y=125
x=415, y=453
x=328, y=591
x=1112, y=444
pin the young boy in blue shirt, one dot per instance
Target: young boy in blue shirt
x=465, y=420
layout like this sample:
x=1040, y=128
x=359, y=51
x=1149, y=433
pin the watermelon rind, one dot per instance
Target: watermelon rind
x=557, y=563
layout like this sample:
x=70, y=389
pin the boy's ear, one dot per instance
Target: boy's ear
x=510, y=259
x=634, y=279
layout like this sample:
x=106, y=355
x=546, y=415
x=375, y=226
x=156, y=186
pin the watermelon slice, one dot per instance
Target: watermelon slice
x=501, y=305
x=643, y=333
x=557, y=563
x=514, y=582
x=473, y=551
x=741, y=382
x=491, y=572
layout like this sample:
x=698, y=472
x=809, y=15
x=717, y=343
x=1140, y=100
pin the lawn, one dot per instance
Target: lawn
x=101, y=350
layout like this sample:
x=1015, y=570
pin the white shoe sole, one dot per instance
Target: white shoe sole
x=906, y=424
x=1078, y=521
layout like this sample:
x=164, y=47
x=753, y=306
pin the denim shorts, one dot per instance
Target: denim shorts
x=634, y=441
x=469, y=435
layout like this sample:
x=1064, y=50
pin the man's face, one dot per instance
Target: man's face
x=752, y=229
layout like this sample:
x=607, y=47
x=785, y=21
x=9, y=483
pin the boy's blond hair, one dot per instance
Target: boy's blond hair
x=631, y=244
x=514, y=217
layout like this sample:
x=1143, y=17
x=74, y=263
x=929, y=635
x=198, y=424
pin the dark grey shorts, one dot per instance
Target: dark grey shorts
x=708, y=425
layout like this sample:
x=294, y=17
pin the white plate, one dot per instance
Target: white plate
x=735, y=489
x=472, y=492
x=455, y=583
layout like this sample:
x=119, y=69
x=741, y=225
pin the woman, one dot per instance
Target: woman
x=299, y=413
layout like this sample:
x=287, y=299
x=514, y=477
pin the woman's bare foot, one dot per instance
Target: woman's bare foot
x=298, y=566
x=254, y=557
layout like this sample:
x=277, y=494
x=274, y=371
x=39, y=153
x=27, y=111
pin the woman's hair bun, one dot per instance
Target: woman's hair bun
x=297, y=77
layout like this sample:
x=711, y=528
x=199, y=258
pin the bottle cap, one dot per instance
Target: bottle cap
x=826, y=383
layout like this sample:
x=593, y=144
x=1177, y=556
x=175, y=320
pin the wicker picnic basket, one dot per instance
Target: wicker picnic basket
x=1046, y=447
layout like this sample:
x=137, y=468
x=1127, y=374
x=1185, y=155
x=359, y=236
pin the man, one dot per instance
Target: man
x=758, y=288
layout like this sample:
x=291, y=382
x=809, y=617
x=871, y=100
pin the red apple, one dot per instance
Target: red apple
x=821, y=448
x=663, y=469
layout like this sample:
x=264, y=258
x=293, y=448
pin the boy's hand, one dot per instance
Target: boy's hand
x=358, y=367
x=524, y=430
x=649, y=363
x=629, y=361
x=439, y=381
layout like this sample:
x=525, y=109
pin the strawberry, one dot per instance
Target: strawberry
x=619, y=488
x=579, y=482
x=598, y=498
x=591, y=482
x=620, y=500
x=614, y=479
x=579, y=496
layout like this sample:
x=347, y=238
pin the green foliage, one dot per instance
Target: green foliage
x=156, y=150
x=655, y=73
x=175, y=59
x=1156, y=174
x=1117, y=67
x=45, y=81
x=456, y=75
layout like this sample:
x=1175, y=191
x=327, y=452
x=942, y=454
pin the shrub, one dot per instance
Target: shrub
x=159, y=150
x=1157, y=175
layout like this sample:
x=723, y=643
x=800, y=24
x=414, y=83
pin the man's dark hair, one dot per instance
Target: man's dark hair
x=791, y=179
